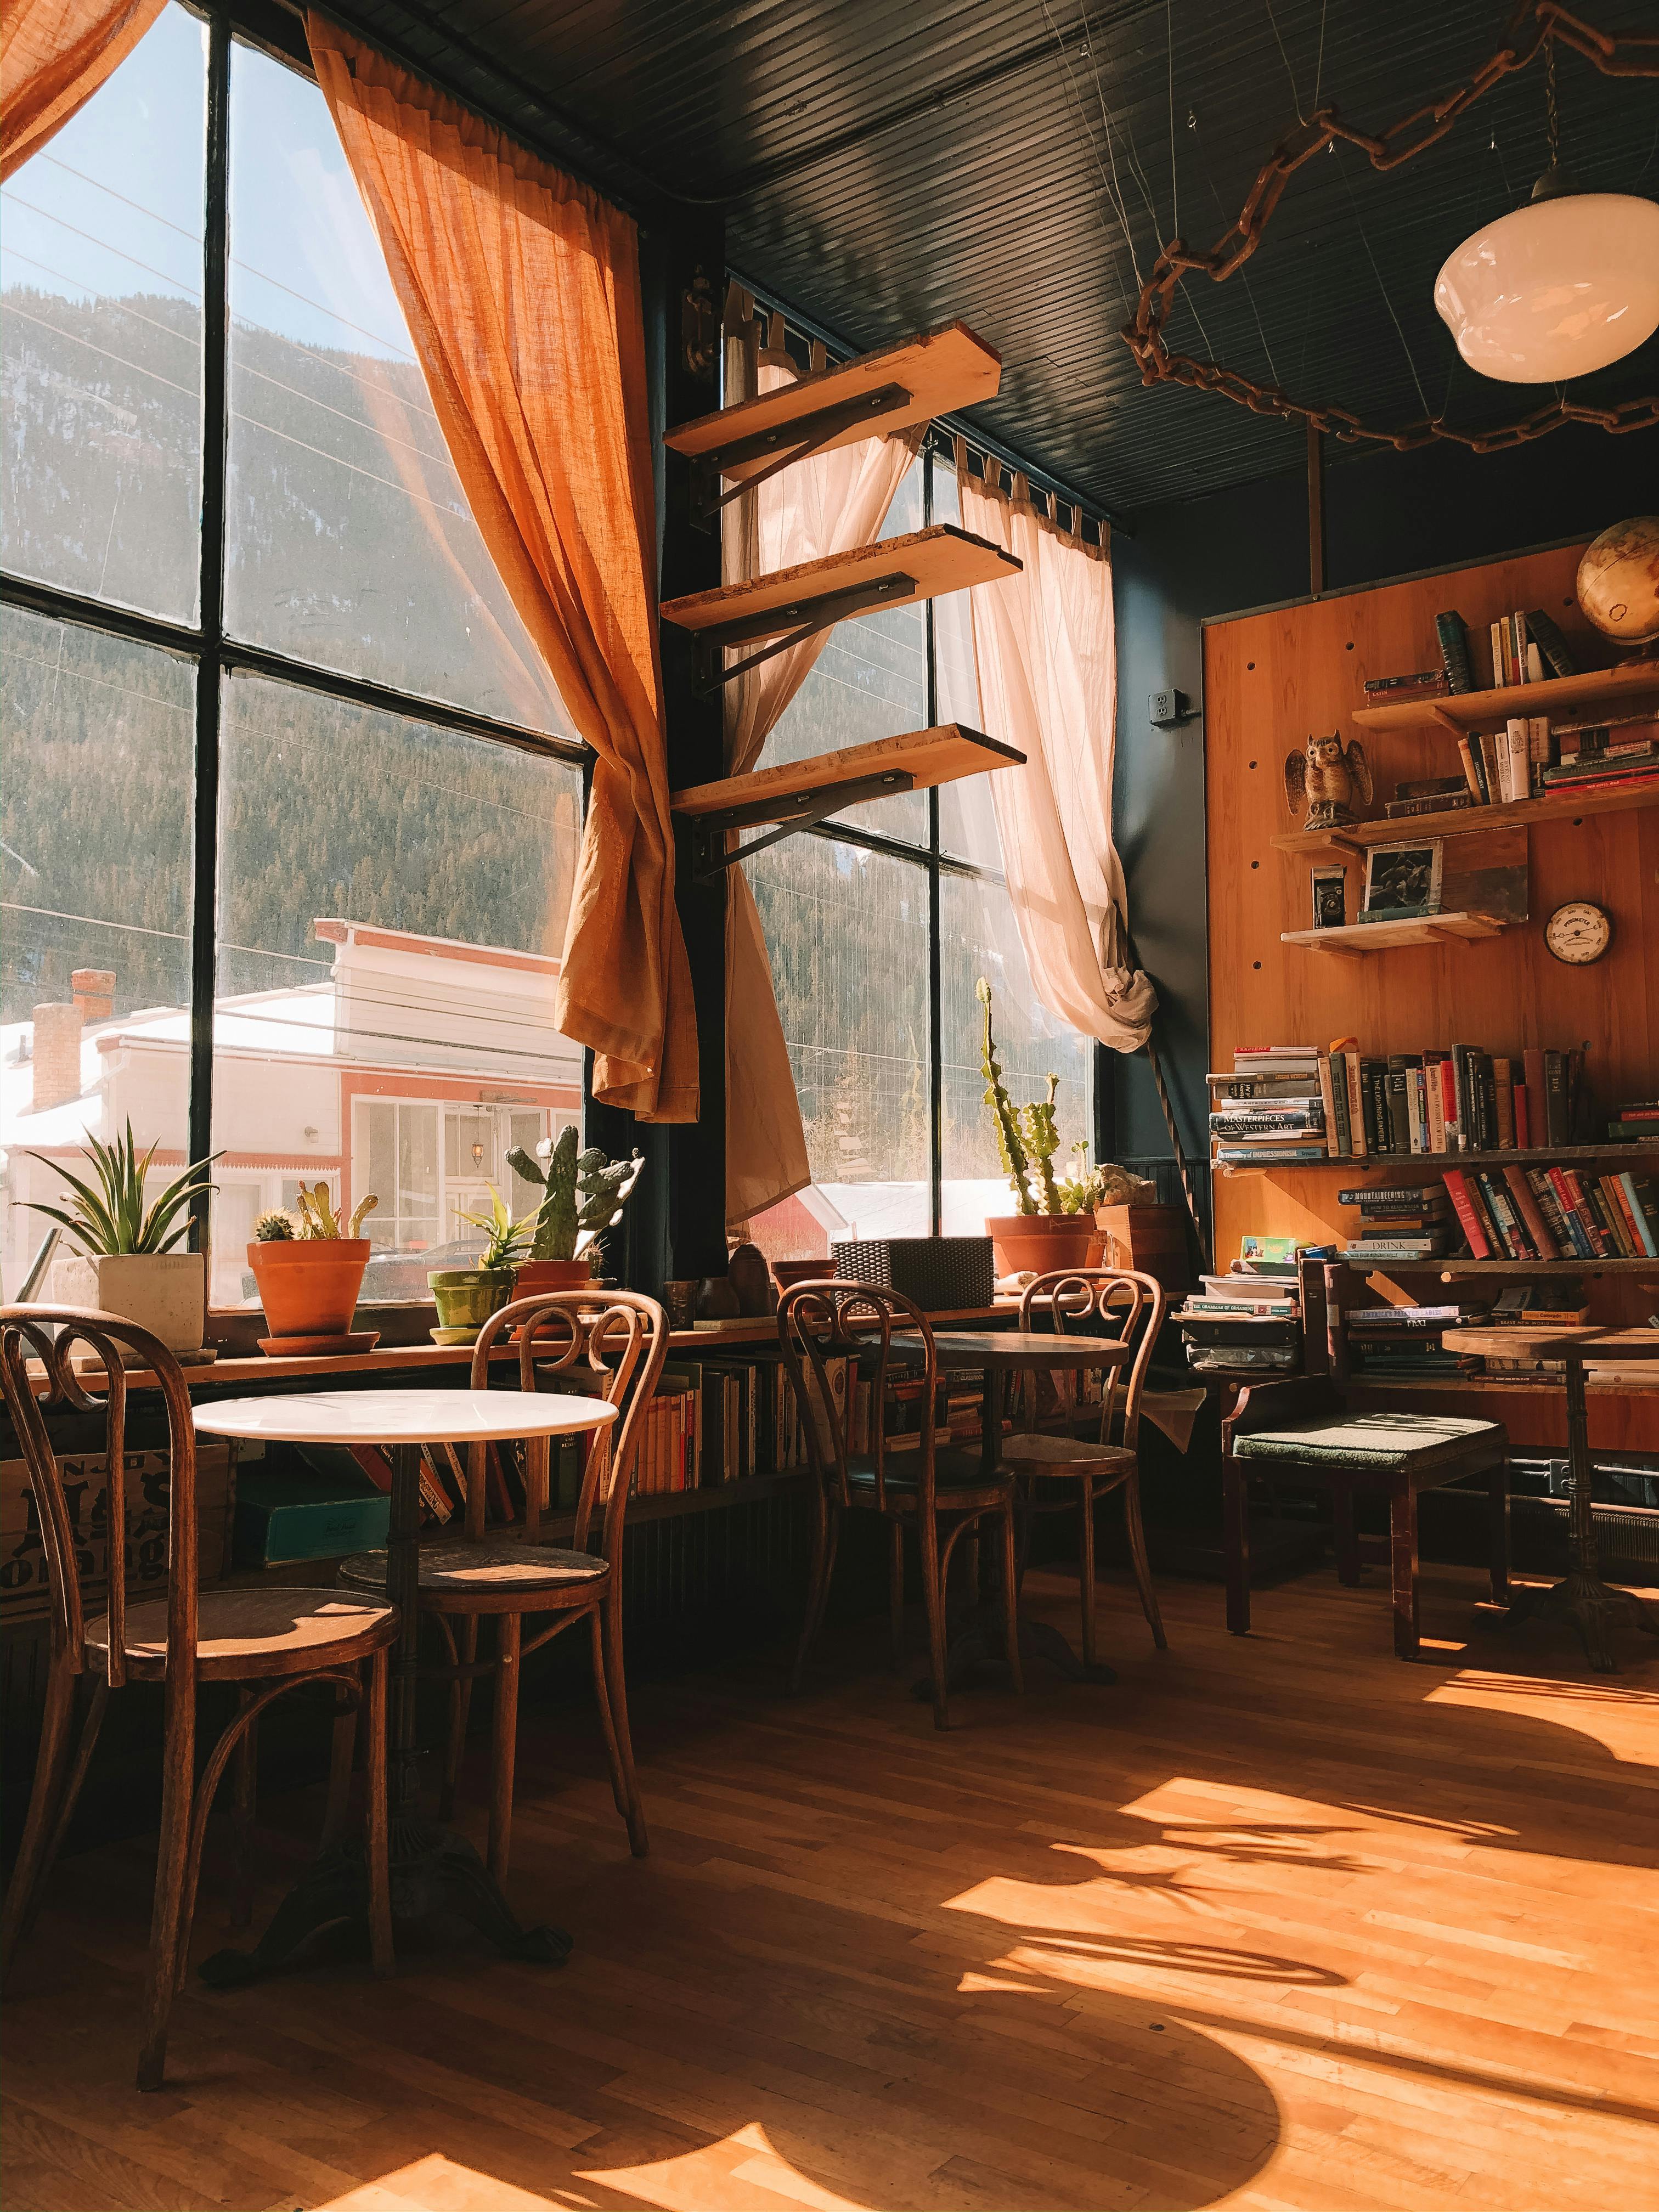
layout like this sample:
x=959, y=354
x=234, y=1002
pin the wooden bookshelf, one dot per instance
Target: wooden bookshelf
x=1620, y=690
x=1360, y=939
x=1571, y=1156
x=1463, y=821
x=918, y=761
x=1447, y=1269
x=922, y=566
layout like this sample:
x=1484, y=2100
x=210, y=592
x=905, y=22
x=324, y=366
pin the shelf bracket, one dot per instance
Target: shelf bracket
x=808, y=617
x=784, y=444
x=803, y=809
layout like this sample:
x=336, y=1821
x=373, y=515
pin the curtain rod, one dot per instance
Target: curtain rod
x=946, y=425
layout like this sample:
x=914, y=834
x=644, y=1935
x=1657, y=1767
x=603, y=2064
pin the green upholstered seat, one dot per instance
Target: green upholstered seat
x=1377, y=1442
x=952, y=1470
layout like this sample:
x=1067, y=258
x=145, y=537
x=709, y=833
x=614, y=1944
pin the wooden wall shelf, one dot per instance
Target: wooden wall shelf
x=1357, y=939
x=1348, y=842
x=925, y=757
x=930, y=562
x=1619, y=690
x=1446, y=1269
x=938, y=372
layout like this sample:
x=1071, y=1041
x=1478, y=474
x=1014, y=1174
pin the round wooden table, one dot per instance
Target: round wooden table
x=432, y=1868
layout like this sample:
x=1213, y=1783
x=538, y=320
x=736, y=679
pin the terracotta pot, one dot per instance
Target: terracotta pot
x=791, y=1272
x=466, y=1297
x=309, y=1287
x=1035, y=1243
x=536, y=1277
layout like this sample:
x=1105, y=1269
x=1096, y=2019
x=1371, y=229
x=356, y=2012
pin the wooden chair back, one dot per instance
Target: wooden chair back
x=600, y=1344
x=1116, y=1301
x=52, y=1335
x=817, y=1323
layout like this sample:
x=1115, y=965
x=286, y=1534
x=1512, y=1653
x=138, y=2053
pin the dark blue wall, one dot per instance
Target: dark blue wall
x=1387, y=514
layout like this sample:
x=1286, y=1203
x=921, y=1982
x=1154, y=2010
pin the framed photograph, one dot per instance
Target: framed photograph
x=1330, y=897
x=1403, y=878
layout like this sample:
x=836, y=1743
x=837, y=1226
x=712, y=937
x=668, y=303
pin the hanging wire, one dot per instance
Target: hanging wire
x=1553, y=112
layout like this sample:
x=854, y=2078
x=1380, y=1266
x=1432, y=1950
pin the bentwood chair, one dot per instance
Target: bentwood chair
x=941, y=1494
x=267, y=1641
x=600, y=1344
x=1068, y=1473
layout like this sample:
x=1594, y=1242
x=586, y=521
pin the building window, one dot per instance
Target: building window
x=397, y=786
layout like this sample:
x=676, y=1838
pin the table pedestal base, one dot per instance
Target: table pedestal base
x=979, y=1642
x=1596, y=1609
x=434, y=1871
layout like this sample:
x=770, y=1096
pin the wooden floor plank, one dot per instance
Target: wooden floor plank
x=1274, y=1924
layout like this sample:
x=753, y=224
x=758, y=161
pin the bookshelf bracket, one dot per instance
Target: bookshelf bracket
x=807, y=618
x=781, y=446
x=801, y=810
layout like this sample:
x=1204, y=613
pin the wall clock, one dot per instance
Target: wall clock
x=1578, y=933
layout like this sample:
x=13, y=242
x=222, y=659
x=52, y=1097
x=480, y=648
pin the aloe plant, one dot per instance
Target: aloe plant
x=581, y=1192
x=319, y=1222
x=508, y=1240
x=112, y=1218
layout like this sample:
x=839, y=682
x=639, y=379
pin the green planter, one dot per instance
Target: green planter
x=466, y=1297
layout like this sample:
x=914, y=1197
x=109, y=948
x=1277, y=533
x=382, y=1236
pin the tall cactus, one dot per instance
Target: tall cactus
x=582, y=1191
x=1010, y=1147
x=1042, y=1142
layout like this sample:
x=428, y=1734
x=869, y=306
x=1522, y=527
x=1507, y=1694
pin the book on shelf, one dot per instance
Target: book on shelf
x=1421, y=683
x=1290, y=1088
x=1270, y=1120
x=1553, y=649
x=1452, y=633
x=1435, y=1246
x=1268, y=1155
x=1450, y=802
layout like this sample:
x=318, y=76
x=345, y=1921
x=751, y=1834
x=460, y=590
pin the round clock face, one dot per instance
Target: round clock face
x=1578, y=933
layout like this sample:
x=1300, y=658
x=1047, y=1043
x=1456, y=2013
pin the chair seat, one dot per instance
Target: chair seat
x=244, y=1634
x=958, y=1476
x=498, y=1568
x=1380, y=1444
x=1046, y=1454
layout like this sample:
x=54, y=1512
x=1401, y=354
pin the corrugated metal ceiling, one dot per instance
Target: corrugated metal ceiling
x=1016, y=162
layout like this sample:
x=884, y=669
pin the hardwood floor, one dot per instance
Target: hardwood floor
x=1276, y=1922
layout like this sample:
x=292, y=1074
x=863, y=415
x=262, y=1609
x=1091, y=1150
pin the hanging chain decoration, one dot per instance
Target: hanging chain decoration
x=1620, y=56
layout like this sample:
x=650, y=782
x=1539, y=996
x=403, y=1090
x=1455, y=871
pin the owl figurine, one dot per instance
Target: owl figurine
x=1330, y=780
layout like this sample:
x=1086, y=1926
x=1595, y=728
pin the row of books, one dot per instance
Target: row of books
x=1525, y=648
x=1555, y=1213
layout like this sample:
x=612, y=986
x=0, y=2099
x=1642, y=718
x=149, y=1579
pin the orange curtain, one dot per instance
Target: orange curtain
x=522, y=290
x=54, y=55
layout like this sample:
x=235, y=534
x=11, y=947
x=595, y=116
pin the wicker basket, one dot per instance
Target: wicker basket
x=937, y=1274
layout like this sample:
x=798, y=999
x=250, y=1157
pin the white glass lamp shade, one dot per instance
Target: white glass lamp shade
x=1560, y=288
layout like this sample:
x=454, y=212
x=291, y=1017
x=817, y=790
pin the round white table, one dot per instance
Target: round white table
x=432, y=1868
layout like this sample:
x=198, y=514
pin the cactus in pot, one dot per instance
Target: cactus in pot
x=583, y=1194
x=1054, y=1227
x=309, y=1266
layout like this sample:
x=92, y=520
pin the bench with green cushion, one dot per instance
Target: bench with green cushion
x=1299, y=1429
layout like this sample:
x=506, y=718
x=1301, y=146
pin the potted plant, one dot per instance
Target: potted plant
x=309, y=1270
x=128, y=1263
x=466, y=1297
x=1054, y=1226
x=583, y=1195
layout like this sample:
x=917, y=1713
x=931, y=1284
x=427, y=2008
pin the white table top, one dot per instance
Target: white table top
x=401, y=1417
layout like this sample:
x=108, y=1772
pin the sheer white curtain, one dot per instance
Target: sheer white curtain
x=1044, y=661
x=828, y=503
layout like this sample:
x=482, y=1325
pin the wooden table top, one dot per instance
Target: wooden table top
x=402, y=1417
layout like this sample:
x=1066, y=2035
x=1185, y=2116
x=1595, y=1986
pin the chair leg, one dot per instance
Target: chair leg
x=1011, y=1599
x=1498, y=1525
x=1236, y=1511
x=896, y=1593
x=460, y=1711
x=342, y=1751
x=1346, y=1535
x=1085, y=1566
x=504, y=1743
x=817, y=1582
x=50, y=1767
x=932, y=1591
x=168, y=1935
x=1142, y=1572
x=382, y=1956
x=616, y=1679
x=1402, y=1546
x=602, y=1698
x=245, y=1791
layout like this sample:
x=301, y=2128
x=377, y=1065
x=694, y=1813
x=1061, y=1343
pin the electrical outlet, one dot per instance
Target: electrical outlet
x=1168, y=709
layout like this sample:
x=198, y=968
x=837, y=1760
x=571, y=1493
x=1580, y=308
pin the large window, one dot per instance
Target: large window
x=334, y=677
x=880, y=927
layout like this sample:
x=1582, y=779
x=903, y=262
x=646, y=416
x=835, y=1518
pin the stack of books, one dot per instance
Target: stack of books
x=1555, y=1213
x=1431, y=795
x=1404, y=1343
x=1250, y=1320
x=1271, y=1110
x=1526, y=649
x=1395, y=691
x=1636, y=1123
x=1401, y=1222
x=1620, y=755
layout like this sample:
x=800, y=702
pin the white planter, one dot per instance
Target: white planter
x=165, y=1292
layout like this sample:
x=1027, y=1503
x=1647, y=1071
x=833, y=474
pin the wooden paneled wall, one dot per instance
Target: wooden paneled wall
x=1271, y=682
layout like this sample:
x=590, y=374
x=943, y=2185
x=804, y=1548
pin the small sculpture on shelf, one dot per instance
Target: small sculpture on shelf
x=1330, y=780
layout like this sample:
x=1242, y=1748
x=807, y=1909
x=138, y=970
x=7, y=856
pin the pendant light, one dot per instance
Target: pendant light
x=1565, y=285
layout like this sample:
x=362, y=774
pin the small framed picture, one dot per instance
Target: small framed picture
x=1403, y=878
x=1330, y=897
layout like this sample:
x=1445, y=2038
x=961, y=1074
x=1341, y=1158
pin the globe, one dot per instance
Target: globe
x=1618, y=580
